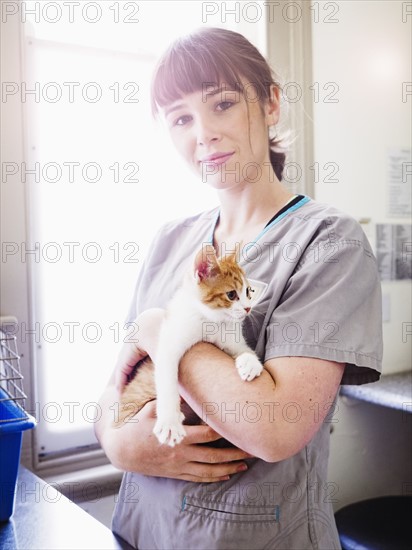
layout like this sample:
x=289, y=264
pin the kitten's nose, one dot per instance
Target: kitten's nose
x=247, y=309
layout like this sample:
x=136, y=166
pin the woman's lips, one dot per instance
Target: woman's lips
x=216, y=159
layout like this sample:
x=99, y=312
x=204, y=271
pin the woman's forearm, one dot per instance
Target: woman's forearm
x=108, y=436
x=268, y=419
x=241, y=411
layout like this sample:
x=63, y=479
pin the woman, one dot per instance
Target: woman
x=317, y=324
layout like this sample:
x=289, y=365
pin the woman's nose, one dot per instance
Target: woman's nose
x=206, y=133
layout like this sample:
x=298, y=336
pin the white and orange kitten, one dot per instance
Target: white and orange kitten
x=210, y=306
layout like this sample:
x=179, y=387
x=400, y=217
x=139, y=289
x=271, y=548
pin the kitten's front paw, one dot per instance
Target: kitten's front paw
x=170, y=430
x=248, y=366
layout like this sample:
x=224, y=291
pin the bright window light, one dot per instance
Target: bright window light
x=102, y=177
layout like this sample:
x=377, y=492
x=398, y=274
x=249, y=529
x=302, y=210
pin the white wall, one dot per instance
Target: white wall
x=367, y=55
x=14, y=295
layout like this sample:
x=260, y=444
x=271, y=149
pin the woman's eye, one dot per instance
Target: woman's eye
x=182, y=120
x=224, y=105
x=232, y=295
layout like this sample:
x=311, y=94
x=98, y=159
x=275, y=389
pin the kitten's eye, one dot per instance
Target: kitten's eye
x=232, y=295
x=249, y=291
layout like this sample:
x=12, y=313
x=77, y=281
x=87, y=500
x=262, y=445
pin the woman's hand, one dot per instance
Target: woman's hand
x=129, y=356
x=134, y=448
x=148, y=324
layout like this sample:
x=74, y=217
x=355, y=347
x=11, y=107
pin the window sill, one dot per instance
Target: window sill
x=89, y=484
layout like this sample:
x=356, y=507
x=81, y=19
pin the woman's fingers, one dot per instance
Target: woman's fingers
x=201, y=434
x=210, y=455
x=206, y=434
x=214, y=471
x=209, y=464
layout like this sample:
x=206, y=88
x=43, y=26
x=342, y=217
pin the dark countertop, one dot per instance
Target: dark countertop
x=44, y=519
x=392, y=390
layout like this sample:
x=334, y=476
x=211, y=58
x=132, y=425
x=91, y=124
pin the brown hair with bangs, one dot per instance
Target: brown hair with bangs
x=209, y=57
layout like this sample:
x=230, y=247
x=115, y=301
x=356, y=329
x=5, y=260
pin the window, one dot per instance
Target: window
x=101, y=178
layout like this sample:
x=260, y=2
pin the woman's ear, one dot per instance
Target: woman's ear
x=272, y=107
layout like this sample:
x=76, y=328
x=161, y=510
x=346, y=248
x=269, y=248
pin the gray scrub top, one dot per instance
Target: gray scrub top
x=319, y=296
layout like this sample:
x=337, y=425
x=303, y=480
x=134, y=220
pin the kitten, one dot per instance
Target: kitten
x=210, y=305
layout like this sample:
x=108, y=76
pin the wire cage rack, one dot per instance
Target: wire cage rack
x=11, y=379
x=13, y=421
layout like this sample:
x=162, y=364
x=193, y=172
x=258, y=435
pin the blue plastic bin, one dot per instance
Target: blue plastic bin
x=13, y=421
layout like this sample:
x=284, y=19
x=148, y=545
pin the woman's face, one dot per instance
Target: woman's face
x=223, y=135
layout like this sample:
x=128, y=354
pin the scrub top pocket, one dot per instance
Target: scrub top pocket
x=227, y=525
x=232, y=513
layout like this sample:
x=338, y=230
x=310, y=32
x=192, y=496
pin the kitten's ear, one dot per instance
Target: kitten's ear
x=206, y=263
x=234, y=257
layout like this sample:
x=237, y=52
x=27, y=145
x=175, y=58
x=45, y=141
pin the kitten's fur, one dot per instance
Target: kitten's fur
x=210, y=306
